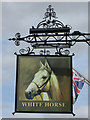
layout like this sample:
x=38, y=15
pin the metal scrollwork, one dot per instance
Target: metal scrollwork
x=51, y=33
x=17, y=42
x=50, y=12
x=26, y=51
x=65, y=52
x=44, y=52
x=62, y=52
x=50, y=19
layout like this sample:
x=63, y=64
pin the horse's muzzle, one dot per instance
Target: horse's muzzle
x=28, y=95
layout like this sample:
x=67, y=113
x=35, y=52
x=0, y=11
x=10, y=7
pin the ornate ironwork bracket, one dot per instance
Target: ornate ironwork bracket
x=51, y=33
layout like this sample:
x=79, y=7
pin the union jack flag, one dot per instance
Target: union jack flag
x=78, y=82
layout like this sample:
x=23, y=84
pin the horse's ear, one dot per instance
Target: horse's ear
x=41, y=65
x=47, y=65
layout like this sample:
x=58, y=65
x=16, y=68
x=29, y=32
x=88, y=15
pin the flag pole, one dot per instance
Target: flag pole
x=86, y=81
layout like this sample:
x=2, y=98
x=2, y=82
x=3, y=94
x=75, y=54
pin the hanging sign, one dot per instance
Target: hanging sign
x=44, y=84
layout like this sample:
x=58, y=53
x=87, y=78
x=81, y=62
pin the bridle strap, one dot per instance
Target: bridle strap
x=44, y=84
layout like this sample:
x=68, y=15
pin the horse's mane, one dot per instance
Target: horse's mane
x=54, y=88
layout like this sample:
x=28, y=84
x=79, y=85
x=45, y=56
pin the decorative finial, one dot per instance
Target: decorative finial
x=50, y=13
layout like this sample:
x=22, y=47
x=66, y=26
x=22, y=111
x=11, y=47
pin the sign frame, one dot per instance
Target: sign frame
x=17, y=57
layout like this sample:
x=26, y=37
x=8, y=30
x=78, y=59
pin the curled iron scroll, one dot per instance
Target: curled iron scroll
x=26, y=51
x=62, y=52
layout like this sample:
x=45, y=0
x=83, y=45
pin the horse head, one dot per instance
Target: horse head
x=41, y=81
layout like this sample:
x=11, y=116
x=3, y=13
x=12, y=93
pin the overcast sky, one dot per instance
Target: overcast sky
x=19, y=17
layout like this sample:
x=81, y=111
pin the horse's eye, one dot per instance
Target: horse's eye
x=32, y=90
x=44, y=77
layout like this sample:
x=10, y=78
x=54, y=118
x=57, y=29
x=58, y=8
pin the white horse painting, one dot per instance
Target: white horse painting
x=45, y=84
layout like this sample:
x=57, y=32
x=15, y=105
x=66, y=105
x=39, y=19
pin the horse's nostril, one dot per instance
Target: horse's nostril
x=28, y=94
